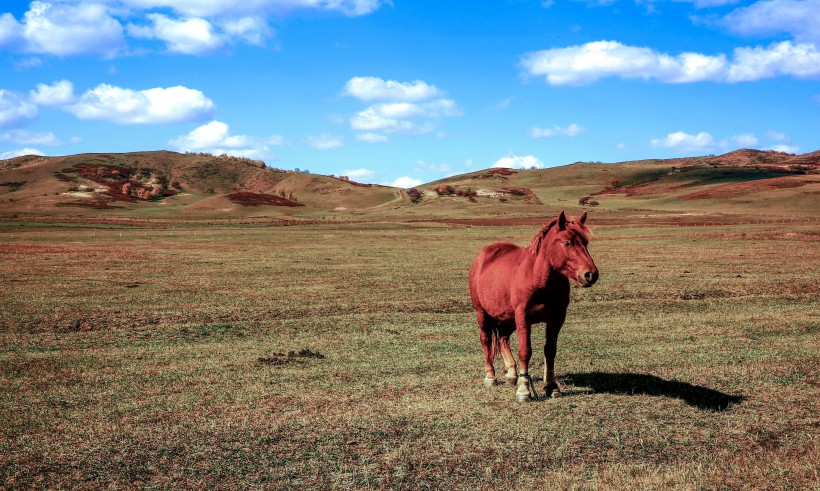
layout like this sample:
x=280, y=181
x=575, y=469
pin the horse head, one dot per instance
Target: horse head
x=566, y=248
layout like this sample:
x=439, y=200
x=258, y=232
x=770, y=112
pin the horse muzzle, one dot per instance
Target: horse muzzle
x=587, y=278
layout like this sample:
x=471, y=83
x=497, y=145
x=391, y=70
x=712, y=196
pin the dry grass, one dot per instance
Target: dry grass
x=134, y=358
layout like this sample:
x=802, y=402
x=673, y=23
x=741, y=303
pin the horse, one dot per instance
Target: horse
x=512, y=288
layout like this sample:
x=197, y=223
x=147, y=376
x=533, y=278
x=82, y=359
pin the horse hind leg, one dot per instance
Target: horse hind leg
x=510, y=372
x=486, y=332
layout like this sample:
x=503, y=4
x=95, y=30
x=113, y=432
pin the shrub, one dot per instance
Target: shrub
x=414, y=195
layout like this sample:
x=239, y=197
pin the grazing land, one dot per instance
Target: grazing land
x=339, y=356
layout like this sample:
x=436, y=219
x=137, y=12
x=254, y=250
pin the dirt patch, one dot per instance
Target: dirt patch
x=501, y=172
x=744, y=188
x=257, y=199
x=292, y=357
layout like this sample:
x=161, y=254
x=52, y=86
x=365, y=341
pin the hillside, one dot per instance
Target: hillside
x=744, y=181
x=170, y=185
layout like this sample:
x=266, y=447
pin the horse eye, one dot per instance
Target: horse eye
x=567, y=244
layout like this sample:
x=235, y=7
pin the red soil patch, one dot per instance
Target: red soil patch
x=94, y=204
x=257, y=199
x=501, y=172
x=744, y=188
x=121, y=182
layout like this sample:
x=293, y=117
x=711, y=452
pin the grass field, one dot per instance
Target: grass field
x=347, y=356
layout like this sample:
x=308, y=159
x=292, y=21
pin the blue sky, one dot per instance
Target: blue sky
x=402, y=91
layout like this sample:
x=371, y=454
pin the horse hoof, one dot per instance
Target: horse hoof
x=489, y=382
x=511, y=380
x=521, y=398
x=555, y=394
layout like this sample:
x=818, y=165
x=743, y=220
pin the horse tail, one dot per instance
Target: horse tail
x=494, y=346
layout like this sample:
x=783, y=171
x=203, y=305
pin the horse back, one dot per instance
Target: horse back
x=492, y=276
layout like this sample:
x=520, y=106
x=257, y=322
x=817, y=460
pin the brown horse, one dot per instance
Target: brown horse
x=512, y=288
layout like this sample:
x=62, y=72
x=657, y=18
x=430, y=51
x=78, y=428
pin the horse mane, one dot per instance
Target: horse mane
x=580, y=229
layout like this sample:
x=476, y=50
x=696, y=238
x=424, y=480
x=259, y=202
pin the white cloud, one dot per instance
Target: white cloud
x=26, y=63
x=14, y=109
x=325, y=141
x=199, y=36
x=64, y=29
x=24, y=137
x=200, y=8
x=59, y=93
x=589, y=62
x=519, y=162
x=79, y=27
x=798, y=18
x=682, y=141
x=405, y=107
x=252, y=30
x=421, y=165
x=192, y=36
x=571, y=130
x=152, y=106
x=784, y=148
x=19, y=152
x=216, y=138
x=371, y=137
x=406, y=182
x=359, y=174
x=745, y=140
x=370, y=89
x=776, y=136
x=398, y=117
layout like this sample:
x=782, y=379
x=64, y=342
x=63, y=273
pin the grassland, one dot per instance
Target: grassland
x=159, y=357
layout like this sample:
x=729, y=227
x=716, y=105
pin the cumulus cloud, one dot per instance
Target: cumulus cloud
x=405, y=107
x=798, y=18
x=19, y=152
x=784, y=148
x=683, y=141
x=325, y=141
x=404, y=117
x=59, y=93
x=371, y=137
x=63, y=29
x=359, y=174
x=406, y=182
x=14, y=108
x=152, y=106
x=24, y=137
x=215, y=137
x=370, y=89
x=745, y=140
x=571, y=130
x=208, y=8
x=78, y=27
x=198, y=36
x=589, y=62
x=193, y=36
x=519, y=162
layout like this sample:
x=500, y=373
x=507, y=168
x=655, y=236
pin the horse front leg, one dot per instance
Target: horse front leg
x=525, y=392
x=551, y=387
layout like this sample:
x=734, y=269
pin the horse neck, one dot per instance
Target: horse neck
x=543, y=271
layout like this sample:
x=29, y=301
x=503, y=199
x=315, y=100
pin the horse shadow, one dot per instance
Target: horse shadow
x=703, y=398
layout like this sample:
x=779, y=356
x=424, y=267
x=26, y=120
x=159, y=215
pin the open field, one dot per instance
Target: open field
x=347, y=356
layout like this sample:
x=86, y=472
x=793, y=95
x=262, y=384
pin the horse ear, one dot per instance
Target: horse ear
x=562, y=221
x=583, y=218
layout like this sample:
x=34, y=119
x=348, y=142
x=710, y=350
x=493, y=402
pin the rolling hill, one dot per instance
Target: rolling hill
x=170, y=185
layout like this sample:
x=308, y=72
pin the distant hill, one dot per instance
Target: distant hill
x=171, y=185
x=161, y=183
x=744, y=181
